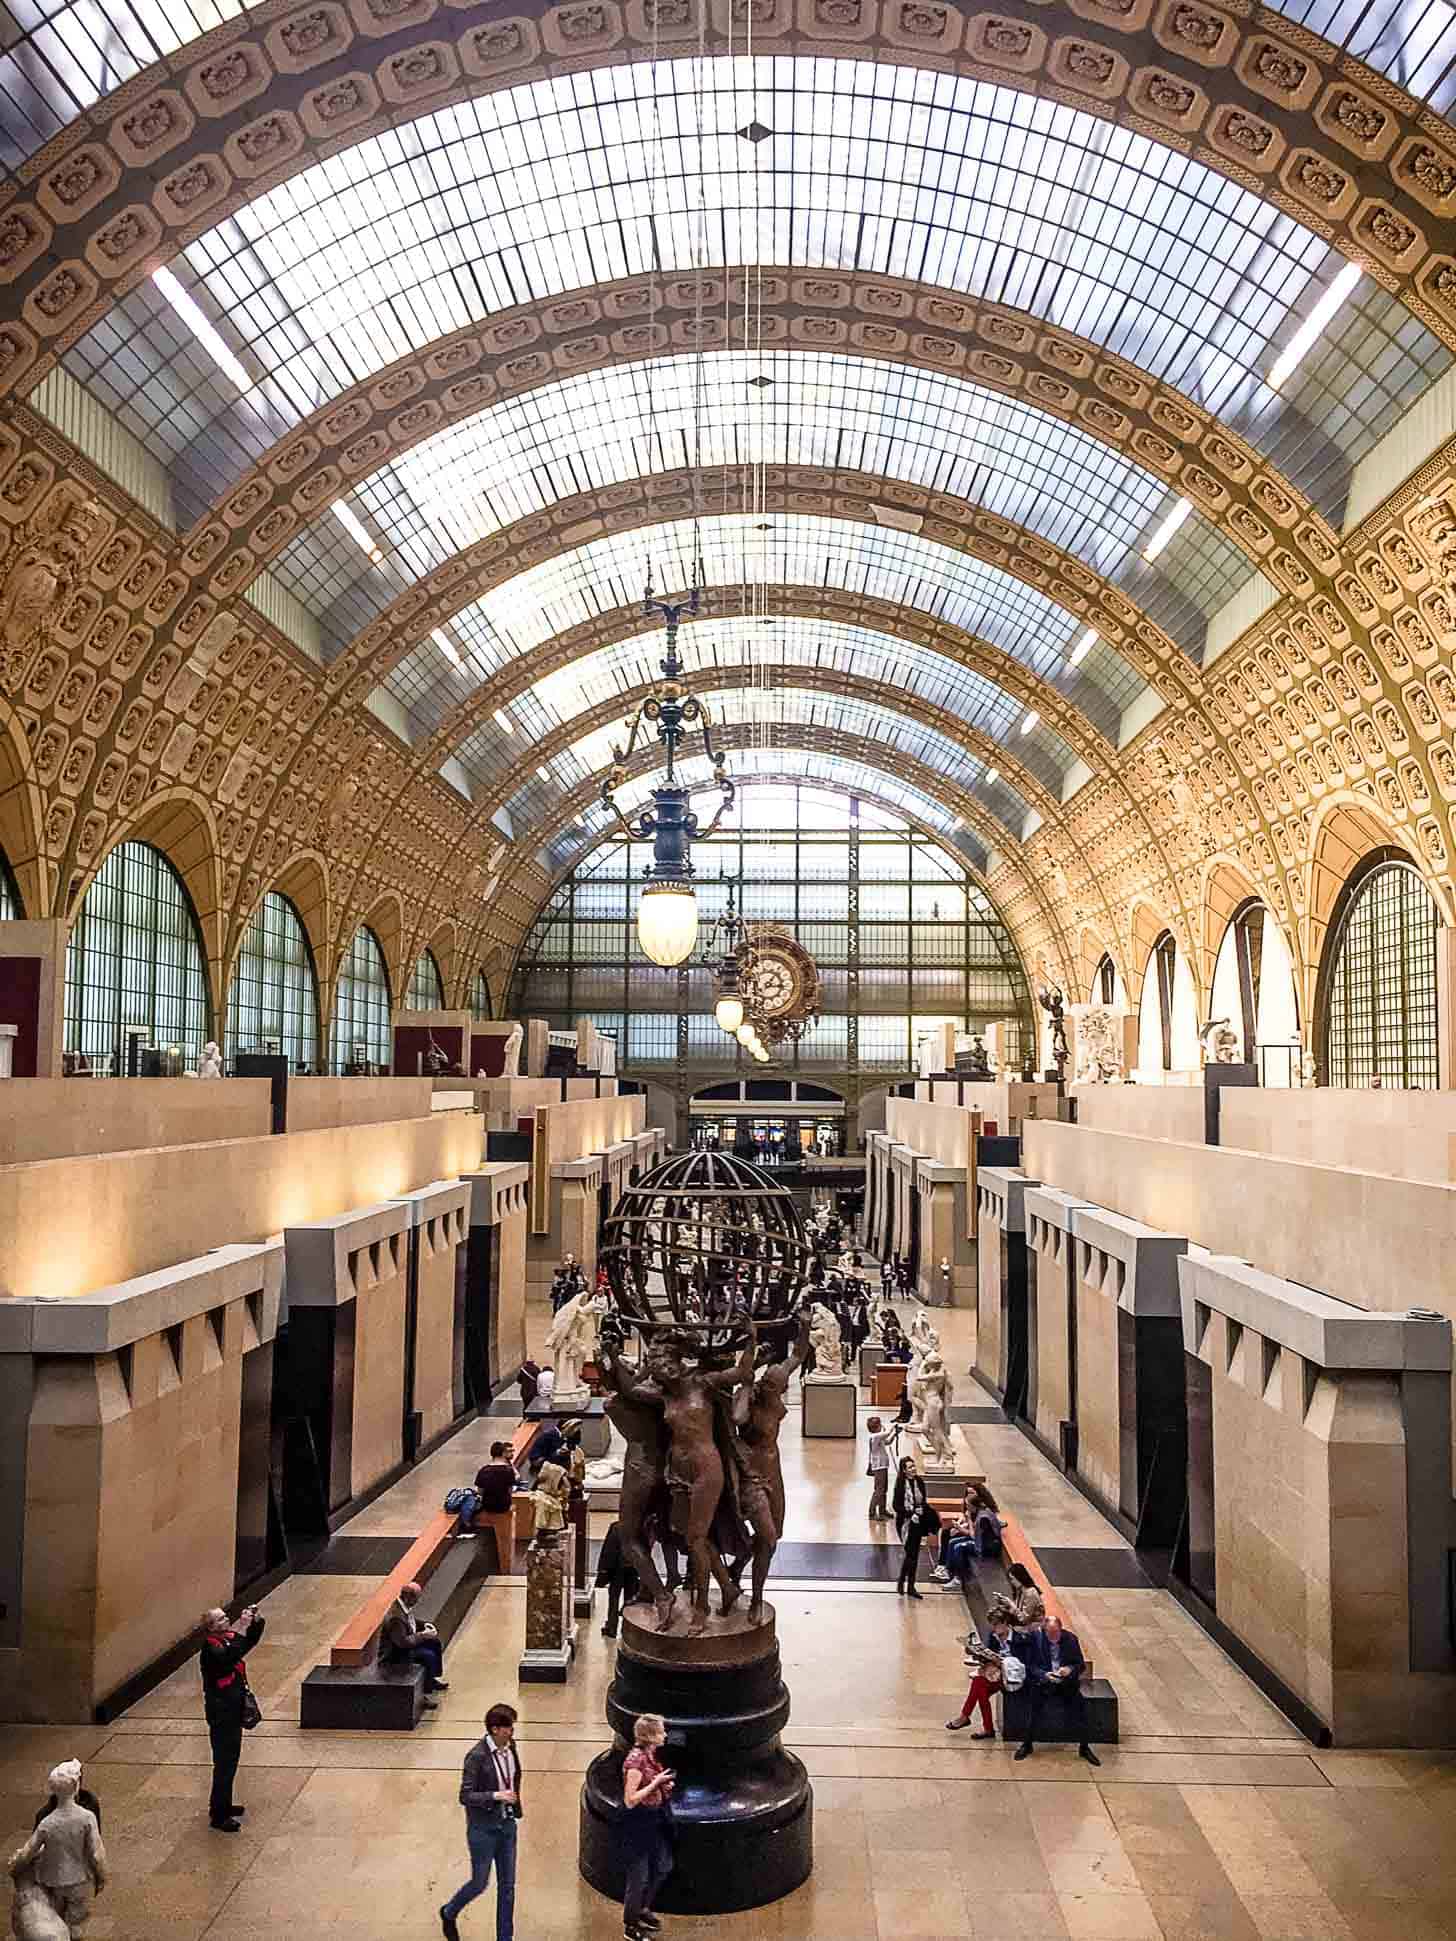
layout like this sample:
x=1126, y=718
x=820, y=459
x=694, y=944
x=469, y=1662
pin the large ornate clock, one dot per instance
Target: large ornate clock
x=779, y=981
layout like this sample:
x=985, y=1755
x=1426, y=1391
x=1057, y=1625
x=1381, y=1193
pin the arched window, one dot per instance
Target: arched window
x=1253, y=987
x=135, y=958
x=274, y=994
x=1105, y=987
x=1379, y=990
x=426, y=991
x=10, y=907
x=480, y=1004
x=1167, y=1013
x=361, y=1005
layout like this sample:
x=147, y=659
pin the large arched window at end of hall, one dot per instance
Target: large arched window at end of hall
x=1378, y=987
x=1167, y=1014
x=426, y=988
x=361, y=1006
x=1253, y=988
x=134, y=959
x=273, y=1000
x=10, y=907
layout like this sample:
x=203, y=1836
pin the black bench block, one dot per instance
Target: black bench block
x=390, y=1697
x=362, y=1698
x=1101, y=1703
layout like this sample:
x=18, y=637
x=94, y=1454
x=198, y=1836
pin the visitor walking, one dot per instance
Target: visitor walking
x=490, y=1792
x=226, y=1702
x=646, y=1826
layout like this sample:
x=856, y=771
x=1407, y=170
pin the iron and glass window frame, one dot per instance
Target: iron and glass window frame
x=426, y=988
x=274, y=988
x=135, y=957
x=362, y=1005
x=1377, y=1006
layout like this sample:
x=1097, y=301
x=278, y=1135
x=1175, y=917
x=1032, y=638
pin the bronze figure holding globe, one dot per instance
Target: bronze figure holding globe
x=708, y=1263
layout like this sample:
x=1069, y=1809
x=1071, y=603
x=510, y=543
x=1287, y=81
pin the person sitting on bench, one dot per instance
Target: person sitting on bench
x=495, y=1481
x=405, y=1640
x=1054, y=1668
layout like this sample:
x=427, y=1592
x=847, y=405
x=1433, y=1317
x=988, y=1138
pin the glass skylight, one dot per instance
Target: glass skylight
x=546, y=188
x=609, y=426
x=713, y=645
x=770, y=718
x=796, y=550
x=836, y=772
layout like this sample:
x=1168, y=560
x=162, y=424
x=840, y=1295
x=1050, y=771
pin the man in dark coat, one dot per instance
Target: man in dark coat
x=224, y=1695
x=1054, y=1670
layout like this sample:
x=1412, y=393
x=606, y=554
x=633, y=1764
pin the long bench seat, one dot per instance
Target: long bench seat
x=358, y=1690
x=1098, y=1694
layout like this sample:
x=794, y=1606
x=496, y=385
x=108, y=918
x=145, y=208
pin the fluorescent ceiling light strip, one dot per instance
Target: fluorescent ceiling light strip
x=1309, y=332
x=503, y=720
x=349, y=520
x=992, y=775
x=447, y=647
x=1165, y=531
x=201, y=329
x=1083, y=647
x=544, y=773
x=1032, y=717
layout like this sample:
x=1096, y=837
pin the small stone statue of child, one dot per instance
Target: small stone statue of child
x=61, y=1866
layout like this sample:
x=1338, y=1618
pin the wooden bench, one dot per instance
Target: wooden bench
x=358, y=1690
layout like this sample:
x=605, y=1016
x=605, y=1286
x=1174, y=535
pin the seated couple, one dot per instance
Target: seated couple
x=1054, y=1666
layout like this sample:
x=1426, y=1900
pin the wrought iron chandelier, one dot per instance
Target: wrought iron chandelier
x=667, y=916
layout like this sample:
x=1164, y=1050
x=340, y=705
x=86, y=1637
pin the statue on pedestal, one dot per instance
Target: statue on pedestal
x=923, y=1336
x=828, y=1346
x=933, y=1396
x=1049, y=997
x=210, y=1063
x=1220, y=1043
x=571, y=1344
x=511, y=1066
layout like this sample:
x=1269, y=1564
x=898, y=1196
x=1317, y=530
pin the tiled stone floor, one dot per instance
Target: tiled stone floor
x=1212, y=1819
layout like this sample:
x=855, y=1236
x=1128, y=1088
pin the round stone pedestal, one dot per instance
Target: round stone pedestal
x=742, y=1807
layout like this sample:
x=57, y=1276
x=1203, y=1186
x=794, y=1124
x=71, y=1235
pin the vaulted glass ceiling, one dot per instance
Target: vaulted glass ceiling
x=62, y=56
x=839, y=773
x=796, y=549
x=771, y=650
x=609, y=426
x=546, y=188
x=778, y=709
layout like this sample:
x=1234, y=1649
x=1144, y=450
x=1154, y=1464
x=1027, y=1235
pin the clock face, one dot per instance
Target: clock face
x=775, y=983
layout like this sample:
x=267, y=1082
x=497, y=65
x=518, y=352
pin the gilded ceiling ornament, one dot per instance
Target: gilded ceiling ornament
x=41, y=565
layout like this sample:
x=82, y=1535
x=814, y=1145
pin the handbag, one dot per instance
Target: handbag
x=252, y=1713
x=1013, y=1671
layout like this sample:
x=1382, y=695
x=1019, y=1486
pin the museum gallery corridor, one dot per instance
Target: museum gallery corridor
x=1213, y=1820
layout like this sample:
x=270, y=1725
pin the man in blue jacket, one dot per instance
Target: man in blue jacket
x=1054, y=1668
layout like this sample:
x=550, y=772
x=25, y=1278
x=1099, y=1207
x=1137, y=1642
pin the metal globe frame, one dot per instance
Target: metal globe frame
x=706, y=1244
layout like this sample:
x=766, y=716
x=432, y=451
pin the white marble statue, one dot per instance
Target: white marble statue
x=61, y=1867
x=827, y=1344
x=923, y=1337
x=881, y=1310
x=1099, y=1044
x=512, y=1065
x=933, y=1398
x=572, y=1343
x=210, y=1063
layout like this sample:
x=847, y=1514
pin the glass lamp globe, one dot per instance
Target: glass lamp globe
x=667, y=922
x=745, y=1034
x=760, y=1054
x=729, y=1011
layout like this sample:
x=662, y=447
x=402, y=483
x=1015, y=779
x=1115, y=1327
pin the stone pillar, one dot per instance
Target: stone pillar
x=942, y=1192
x=495, y=1292
x=435, y=1311
x=1051, y=1384
x=124, y=1466
x=1005, y=1348
x=347, y=1285
x=550, y=1624
x=1132, y=1435
x=1330, y=1444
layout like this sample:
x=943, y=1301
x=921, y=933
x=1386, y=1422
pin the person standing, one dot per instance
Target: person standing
x=646, y=1826
x=616, y=1576
x=224, y=1699
x=490, y=1792
x=879, y=1469
x=914, y=1519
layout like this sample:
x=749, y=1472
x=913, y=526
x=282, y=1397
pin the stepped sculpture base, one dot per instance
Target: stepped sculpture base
x=743, y=1807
